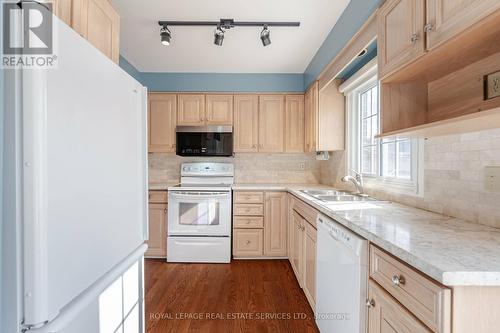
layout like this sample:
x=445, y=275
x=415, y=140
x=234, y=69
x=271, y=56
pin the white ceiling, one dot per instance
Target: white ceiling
x=192, y=48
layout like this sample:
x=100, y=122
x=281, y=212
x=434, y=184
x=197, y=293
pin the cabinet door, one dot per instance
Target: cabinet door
x=99, y=23
x=297, y=241
x=275, y=224
x=294, y=124
x=157, y=243
x=400, y=34
x=447, y=18
x=311, y=113
x=219, y=109
x=309, y=284
x=246, y=123
x=191, y=110
x=271, y=123
x=62, y=9
x=162, y=119
x=247, y=242
x=385, y=315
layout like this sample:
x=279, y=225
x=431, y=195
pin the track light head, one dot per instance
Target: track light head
x=265, y=36
x=218, y=36
x=165, y=36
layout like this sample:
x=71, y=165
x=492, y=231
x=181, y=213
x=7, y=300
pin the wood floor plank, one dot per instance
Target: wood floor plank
x=244, y=296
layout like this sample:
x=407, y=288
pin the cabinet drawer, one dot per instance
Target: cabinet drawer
x=248, y=222
x=157, y=197
x=247, y=242
x=426, y=299
x=249, y=209
x=387, y=315
x=307, y=212
x=248, y=197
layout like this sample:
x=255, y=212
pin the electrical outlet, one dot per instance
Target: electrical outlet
x=302, y=166
x=492, y=178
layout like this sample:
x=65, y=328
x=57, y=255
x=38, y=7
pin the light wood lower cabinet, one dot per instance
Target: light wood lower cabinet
x=386, y=315
x=247, y=242
x=309, y=284
x=259, y=217
x=275, y=225
x=158, y=212
x=302, y=252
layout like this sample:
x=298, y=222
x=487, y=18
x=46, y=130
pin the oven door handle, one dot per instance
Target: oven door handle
x=199, y=195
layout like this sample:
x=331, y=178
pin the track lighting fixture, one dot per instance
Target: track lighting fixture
x=218, y=36
x=265, y=36
x=221, y=26
x=165, y=35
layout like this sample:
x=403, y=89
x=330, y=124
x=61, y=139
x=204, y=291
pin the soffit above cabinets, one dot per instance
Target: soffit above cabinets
x=192, y=48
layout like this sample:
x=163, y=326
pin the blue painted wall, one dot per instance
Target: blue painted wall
x=216, y=82
x=353, y=17
x=223, y=82
x=129, y=68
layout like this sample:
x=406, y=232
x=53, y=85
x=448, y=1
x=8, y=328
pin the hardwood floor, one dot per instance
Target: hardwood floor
x=244, y=296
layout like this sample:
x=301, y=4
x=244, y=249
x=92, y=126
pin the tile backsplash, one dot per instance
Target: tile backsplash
x=249, y=167
x=453, y=177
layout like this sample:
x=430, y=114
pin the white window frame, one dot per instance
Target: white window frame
x=360, y=82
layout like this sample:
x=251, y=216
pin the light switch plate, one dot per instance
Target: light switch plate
x=492, y=178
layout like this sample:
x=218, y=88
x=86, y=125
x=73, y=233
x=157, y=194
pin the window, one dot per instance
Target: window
x=391, y=163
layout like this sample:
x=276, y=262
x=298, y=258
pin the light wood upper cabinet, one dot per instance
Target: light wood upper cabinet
x=385, y=315
x=447, y=18
x=400, y=33
x=309, y=263
x=157, y=243
x=324, y=118
x=219, y=109
x=275, y=228
x=246, y=123
x=311, y=112
x=191, y=110
x=271, y=123
x=294, y=123
x=62, y=9
x=99, y=23
x=162, y=119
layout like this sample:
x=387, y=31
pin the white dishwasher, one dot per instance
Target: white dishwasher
x=341, y=279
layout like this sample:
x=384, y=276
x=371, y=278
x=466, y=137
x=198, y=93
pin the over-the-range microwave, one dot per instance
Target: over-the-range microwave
x=204, y=140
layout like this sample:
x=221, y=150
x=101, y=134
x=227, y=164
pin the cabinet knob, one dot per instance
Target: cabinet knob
x=370, y=303
x=398, y=280
x=248, y=242
x=173, y=145
x=429, y=27
x=165, y=211
x=414, y=38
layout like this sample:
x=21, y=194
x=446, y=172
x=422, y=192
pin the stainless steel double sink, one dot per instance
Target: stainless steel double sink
x=336, y=196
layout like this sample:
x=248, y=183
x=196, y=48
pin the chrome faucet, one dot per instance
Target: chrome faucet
x=357, y=180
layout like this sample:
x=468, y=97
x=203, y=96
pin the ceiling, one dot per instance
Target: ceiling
x=192, y=48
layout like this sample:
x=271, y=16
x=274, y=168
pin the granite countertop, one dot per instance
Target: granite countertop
x=451, y=251
x=160, y=186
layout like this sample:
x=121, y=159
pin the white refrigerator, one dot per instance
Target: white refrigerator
x=74, y=217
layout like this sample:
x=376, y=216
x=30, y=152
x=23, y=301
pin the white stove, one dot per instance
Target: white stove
x=199, y=214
